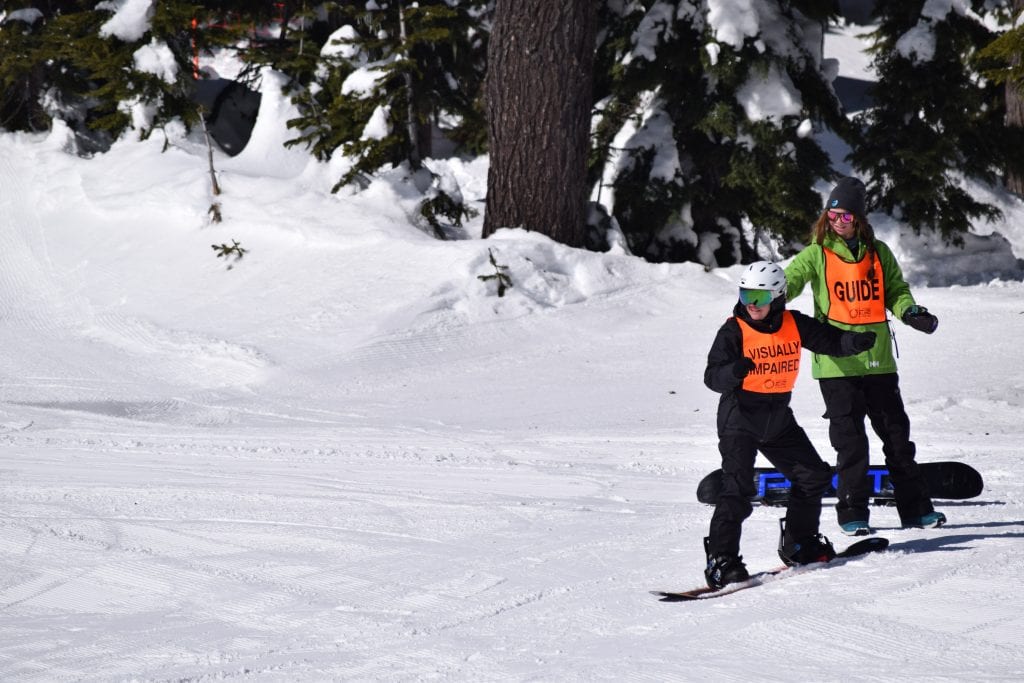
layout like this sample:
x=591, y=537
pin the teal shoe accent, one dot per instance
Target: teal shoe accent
x=929, y=521
x=858, y=528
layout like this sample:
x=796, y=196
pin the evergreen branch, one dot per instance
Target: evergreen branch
x=503, y=280
x=230, y=253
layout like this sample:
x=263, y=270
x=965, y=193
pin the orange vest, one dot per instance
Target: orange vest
x=853, y=298
x=776, y=357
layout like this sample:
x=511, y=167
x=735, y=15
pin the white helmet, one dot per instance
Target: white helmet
x=764, y=275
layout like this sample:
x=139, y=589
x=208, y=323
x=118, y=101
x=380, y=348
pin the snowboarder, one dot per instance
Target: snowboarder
x=855, y=279
x=753, y=364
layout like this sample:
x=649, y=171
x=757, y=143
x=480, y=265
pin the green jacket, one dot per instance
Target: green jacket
x=808, y=267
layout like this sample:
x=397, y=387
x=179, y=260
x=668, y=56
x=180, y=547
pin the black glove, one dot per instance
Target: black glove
x=862, y=341
x=920, y=319
x=742, y=367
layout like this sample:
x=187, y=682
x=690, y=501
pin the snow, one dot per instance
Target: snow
x=938, y=10
x=917, y=44
x=377, y=127
x=841, y=44
x=655, y=133
x=337, y=43
x=29, y=16
x=346, y=458
x=733, y=21
x=156, y=58
x=713, y=50
x=362, y=81
x=130, y=20
x=654, y=29
x=769, y=96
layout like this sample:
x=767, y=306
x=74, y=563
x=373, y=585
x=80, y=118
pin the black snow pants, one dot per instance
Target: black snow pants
x=848, y=400
x=791, y=452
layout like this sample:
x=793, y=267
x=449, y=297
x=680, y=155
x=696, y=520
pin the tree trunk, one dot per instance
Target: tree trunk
x=1015, y=119
x=1015, y=114
x=538, y=88
x=411, y=123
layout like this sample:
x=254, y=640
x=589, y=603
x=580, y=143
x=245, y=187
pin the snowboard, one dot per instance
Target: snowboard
x=946, y=480
x=860, y=548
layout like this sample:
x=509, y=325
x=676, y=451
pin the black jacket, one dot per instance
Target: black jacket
x=762, y=415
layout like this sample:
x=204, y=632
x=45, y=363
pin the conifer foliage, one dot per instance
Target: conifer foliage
x=935, y=122
x=75, y=62
x=391, y=77
x=1003, y=62
x=23, y=71
x=716, y=137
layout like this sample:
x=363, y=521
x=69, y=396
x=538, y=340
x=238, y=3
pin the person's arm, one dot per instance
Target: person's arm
x=897, y=292
x=727, y=366
x=829, y=340
x=801, y=270
x=898, y=298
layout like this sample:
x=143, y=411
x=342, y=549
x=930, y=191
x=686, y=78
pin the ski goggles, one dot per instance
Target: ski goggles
x=755, y=297
x=844, y=216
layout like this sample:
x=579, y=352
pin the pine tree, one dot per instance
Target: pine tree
x=37, y=82
x=1003, y=62
x=387, y=77
x=704, y=161
x=283, y=35
x=23, y=74
x=934, y=121
x=103, y=79
x=141, y=81
x=646, y=187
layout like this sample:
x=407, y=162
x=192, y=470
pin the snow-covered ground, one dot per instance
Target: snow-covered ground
x=345, y=458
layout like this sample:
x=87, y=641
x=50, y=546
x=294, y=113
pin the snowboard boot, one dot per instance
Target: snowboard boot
x=929, y=521
x=723, y=568
x=806, y=550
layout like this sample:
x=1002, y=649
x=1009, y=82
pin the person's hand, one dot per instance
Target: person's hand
x=862, y=341
x=920, y=319
x=742, y=367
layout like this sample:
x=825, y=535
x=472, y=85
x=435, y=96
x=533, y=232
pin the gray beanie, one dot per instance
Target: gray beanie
x=848, y=194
